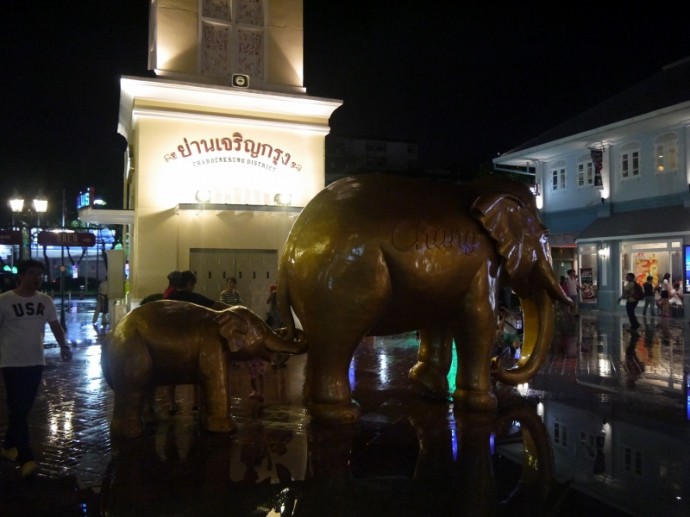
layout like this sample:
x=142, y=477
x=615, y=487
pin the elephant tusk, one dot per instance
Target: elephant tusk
x=539, y=323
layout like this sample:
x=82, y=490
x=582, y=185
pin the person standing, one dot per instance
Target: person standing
x=183, y=291
x=256, y=367
x=24, y=313
x=101, y=302
x=664, y=292
x=573, y=288
x=649, y=301
x=630, y=300
x=173, y=282
x=275, y=322
x=230, y=295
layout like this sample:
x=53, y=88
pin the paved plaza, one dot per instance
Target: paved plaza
x=606, y=420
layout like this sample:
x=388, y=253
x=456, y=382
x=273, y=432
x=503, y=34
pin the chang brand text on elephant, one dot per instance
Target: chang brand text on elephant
x=418, y=235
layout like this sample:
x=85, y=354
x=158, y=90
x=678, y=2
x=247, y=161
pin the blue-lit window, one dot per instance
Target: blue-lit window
x=666, y=153
x=585, y=172
x=558, y=176
x=630, y=160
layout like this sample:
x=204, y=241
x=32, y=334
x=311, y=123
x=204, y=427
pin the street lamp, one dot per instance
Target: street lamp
x=17, y=206
x=41, y=207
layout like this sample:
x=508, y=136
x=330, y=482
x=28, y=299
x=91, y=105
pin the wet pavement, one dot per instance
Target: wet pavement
x=602, y=428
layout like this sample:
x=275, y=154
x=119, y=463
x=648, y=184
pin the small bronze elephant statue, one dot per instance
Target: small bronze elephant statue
x=172, y=342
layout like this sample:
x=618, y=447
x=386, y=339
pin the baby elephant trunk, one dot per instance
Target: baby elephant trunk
x=276, y=342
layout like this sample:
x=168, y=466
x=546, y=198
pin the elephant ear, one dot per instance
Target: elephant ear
x=510, y=224
x=234, y=329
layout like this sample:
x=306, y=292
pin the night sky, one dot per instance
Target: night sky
x=466, y=83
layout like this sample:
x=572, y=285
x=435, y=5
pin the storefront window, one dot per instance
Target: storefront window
x=652, y=258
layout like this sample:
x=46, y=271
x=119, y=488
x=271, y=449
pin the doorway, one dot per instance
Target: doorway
x=255, y=271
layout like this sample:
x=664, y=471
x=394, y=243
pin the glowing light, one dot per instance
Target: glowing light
x=283, y=199
x=540, y=410
x=453, y=433
x=604, y=365
x=453, y=370
x=94, y=372
x=40, y=204
x=203, y=196
x=17, y=204
x=523, y=389
x=384, y=366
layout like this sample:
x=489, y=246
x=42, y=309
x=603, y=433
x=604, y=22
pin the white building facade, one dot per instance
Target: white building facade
x=613, y=185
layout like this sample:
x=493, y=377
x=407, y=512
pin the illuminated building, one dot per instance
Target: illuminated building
x=224, y=146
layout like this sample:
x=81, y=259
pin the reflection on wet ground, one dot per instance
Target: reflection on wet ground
x=602, y=428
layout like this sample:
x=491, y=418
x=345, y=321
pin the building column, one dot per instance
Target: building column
x=607, y=260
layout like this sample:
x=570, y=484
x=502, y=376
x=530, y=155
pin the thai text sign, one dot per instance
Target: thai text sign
x=10, y=237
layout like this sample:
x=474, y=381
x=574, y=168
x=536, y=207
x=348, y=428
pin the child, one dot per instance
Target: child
x=256, y=369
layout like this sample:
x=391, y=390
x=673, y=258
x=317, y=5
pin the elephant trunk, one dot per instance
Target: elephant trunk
x=546, y=275
x=538, y=323
x=278, y=342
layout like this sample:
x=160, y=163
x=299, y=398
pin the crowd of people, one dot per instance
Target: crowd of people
x=665, y=299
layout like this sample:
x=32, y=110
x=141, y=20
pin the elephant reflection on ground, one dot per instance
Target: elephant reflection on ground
x=148, y=477
x=173, y=342
x=454, y=467
x=470, y=475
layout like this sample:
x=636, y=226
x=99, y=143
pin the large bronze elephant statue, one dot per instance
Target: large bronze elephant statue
x=379, y=255
x=173, y=342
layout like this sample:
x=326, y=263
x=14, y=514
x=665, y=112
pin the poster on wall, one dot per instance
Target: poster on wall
x=686, y=282
x=646, y=264
x=589, y=290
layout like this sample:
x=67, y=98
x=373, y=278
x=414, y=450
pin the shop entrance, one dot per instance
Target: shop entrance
x=561, y=267
x=255, y=271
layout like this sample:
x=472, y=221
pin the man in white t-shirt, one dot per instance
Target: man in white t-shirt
x=24, y=313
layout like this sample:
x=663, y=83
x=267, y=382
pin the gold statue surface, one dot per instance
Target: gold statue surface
x=172, y=342
x=380, y=255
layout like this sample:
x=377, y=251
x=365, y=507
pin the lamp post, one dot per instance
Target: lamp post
x=62, y=269
x=17, y=206
x=40, y=207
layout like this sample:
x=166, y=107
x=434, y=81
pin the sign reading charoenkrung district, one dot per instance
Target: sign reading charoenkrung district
x=235, y=149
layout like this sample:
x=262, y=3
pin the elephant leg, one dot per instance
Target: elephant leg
x=149, y=406
x=327, y=391
x=474, y=340
x=127, y=405
x=215, y=416
x=433, y=363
